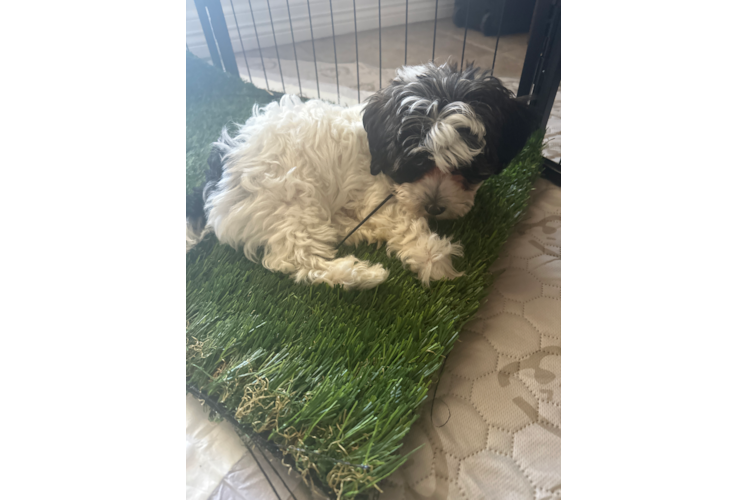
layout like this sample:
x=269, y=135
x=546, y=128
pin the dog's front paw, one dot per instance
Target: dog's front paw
x=438, y=270
x=367, y=277
x=432, y=259
x=349, y=272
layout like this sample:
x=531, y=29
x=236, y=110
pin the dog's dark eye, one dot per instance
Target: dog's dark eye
x=421, y=161
x=472, y=175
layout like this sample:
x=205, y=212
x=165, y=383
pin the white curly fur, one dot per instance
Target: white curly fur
x=297, y=179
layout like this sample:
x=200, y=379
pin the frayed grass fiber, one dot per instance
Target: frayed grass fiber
x=334, y=377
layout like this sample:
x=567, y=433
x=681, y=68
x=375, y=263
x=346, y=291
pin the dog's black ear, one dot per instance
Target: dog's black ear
x=215, y=165
x=379, y=110
x=509, y=123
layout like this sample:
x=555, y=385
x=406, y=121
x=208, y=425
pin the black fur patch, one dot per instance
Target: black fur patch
x=395, y=131
x=196, y=200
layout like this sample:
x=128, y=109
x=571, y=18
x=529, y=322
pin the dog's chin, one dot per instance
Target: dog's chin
x=448, y=215
x=447, y=192
x=451, y=213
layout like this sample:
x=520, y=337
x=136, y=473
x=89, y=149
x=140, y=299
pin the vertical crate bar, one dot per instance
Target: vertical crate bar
x=498, y=35
x=380, y=42
x=240, y=41
x=314, y=50
x=406, y=33
x=436, y=15
x=355, y=31
x=464, y=38
x=293, y=43
x=259, y=47
x=275, y=42
x=335, y=51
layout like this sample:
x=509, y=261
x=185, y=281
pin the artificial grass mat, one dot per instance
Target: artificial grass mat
x=335, y=378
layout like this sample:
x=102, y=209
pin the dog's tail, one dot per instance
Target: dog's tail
x=196, y=216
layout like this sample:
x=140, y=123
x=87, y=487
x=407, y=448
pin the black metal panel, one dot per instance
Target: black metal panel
x=221, y=32
x=534, y=46
x=549, y=78
x=202, y=14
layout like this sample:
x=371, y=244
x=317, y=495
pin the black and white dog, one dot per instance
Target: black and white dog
x=298, y=177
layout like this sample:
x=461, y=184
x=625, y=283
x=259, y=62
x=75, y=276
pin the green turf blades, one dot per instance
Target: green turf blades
x=331, y=373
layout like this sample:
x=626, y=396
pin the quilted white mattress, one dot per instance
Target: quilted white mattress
x=493, y=429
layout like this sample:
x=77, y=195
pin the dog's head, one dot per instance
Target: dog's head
x=438, y=133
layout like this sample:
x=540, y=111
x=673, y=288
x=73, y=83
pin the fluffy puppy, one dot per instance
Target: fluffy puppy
x=298, y=177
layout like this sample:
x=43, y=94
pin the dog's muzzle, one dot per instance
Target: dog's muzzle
x=435, y=209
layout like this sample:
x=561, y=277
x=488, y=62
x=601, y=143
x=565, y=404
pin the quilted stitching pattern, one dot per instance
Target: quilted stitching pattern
x=492, y=430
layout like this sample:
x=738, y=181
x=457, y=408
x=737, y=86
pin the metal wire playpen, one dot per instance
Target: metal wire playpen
x=255, y=27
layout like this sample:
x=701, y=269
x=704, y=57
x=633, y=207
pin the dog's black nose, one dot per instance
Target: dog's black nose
x=435, y=210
